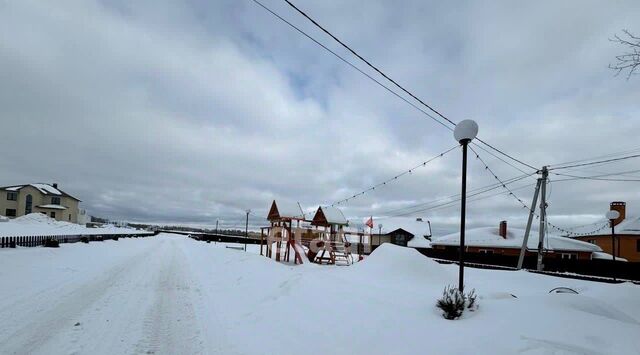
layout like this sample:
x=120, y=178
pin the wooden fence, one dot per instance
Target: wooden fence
x=38, y=240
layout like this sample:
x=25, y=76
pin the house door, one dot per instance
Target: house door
x=28, y=205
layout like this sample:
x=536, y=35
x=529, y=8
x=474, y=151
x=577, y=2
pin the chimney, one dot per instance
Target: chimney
x=55, y=185
x=621, y=207
x=503, y=229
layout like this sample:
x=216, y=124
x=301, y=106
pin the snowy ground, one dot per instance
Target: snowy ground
x=37, y=224
x=174, y=295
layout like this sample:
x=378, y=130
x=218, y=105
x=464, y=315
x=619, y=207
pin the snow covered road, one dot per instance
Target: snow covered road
x=130, y=296
x=173, y=295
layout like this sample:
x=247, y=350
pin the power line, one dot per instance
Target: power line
x=456, y=197
x=487, y=168
x=601, y=177
x=352, y=65
x=381, y=73
x=368, y=63
x=596, y=162
x=625, y=152
x=454, y=203
x=424, y=163
x=502, y=160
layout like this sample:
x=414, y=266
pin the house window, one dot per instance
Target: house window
x=28, y=205
x=53, y=215
x=569, y=256
x=486, y=251
x=592, y=241
x=55, y=200
x=10, y=212
x=638, y=245
x=12, y=196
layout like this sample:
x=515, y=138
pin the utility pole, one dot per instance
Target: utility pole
x=525, y=241
x=216, y=226
x=543, y=216
x=246, y=231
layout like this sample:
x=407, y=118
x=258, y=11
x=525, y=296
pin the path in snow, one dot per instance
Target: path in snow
x=143, y=302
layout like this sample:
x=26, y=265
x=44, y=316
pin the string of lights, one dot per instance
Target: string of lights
x=510, y=193
x=425, y=206
x=395, y=178
x=454, y=203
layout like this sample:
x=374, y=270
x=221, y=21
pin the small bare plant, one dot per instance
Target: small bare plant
x=453, y=302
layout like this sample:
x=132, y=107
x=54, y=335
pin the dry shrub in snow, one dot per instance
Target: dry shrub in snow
x=454, y=302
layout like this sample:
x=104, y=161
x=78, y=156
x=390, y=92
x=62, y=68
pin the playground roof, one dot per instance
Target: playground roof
x=329, y=215
x=286, y=210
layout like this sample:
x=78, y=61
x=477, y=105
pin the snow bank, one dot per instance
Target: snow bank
x=39, y=224
x=393, y=261
x=174, y=295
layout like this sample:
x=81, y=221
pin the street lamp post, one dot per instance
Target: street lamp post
x=246, y=231
x=464, y=132
x=612, y=215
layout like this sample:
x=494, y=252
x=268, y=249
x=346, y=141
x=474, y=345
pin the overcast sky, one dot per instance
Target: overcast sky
x=192, y=111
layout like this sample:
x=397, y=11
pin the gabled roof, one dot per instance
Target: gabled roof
x=285, y=210
x=411, y=225
x=329, y=215
x=45, y=189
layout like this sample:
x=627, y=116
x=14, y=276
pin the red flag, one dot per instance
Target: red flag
x=369, y=222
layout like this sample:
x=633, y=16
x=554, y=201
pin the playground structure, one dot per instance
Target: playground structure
x=320, y=240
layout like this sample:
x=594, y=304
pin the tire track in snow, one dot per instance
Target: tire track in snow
x=170, y=325
x=56, y=309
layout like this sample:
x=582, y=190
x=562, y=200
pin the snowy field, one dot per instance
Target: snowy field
x=173, y=295
x=37, y=224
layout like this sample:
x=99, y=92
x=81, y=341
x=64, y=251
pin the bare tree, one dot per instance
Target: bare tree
x=629, y=61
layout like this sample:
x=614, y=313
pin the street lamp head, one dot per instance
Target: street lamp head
x=465, y=131
x=612, y=214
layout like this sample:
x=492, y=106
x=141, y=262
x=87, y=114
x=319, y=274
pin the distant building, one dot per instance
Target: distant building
x=508, y=242
x=20, y=200
x=627, y=240
x=405, y=232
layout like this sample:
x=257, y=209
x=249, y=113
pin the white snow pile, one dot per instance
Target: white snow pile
x=39, y=224
x=395, y=262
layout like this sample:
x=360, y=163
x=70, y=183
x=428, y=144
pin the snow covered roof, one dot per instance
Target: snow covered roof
x=45, y=189
x=411, y=225
x=332, y=215
x=53, y=207
x=490, y=237
x=284, y=209
x=605, y=256
x=630, y=225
